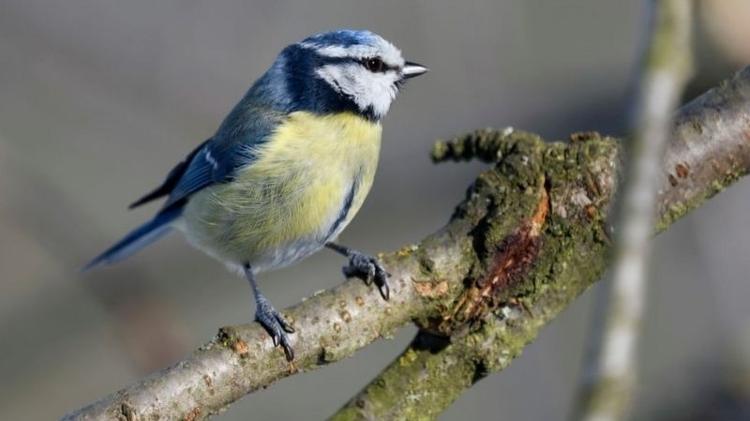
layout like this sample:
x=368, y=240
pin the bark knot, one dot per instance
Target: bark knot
x=507, y=265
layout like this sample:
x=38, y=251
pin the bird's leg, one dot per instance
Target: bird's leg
x=269, y=318
x=365, y=267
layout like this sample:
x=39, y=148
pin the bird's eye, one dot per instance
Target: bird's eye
x=375, y=64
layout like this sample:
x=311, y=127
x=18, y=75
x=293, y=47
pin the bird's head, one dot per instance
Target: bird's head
x=345, y=70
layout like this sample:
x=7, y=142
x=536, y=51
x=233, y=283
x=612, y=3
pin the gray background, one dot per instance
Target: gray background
x=98, y=99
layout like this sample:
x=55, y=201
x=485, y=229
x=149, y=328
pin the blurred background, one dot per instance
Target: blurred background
x=100, y=98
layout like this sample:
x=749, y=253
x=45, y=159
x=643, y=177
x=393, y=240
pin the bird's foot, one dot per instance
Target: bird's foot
x=368, y=269
x=273, y=322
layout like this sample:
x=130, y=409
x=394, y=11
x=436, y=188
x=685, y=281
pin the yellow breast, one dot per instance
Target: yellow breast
x=291, y=197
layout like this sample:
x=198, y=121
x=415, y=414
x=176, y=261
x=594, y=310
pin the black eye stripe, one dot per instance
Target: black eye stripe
x=384, y=67
x=376, y=64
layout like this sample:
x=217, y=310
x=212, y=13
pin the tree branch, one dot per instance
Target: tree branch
x=494, y=238
x=709, y=150
x=610, y=378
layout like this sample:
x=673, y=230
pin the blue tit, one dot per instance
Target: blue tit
x=288, y=168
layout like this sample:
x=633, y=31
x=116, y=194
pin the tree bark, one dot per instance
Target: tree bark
x=530, y=236
x=709, y=149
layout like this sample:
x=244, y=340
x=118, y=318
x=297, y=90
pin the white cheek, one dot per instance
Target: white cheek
x=382, y=91
x=367, y=89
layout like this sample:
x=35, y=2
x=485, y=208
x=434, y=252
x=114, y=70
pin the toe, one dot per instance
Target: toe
x=288, y=351
x=370, y=271
x=276, y=326
x=351, y=271
x=385, y=291
x=382, y=283
x=381, y=280
x=283, y=323
x=280, y=338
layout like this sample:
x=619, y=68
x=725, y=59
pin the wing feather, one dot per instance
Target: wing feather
x=217, y=159
x=171, y=181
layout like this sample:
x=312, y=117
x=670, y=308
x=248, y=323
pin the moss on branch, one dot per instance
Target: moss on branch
x=708, y=151
x=539, y=241
x=562, y=252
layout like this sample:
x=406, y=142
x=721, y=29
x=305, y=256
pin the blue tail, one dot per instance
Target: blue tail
x=138, y=238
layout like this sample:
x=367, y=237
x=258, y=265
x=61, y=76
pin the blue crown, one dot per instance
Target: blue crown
x=342, y=37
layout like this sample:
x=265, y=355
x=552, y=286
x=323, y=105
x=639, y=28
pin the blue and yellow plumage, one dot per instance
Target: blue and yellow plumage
x=291, y=200
x=288, y=168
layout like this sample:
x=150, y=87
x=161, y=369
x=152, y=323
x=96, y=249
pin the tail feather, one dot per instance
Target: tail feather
x=137, y=239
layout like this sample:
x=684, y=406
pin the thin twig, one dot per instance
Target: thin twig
x=609, y=384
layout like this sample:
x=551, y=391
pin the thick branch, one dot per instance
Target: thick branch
x=709, y=149
x=427, y=278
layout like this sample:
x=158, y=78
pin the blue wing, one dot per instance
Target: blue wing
x=215, y=162
x=217, y=159
x=173, y=178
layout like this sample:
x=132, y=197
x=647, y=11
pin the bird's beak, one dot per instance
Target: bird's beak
x=412, y=69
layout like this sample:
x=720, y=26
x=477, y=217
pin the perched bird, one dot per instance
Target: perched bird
x=288, y=168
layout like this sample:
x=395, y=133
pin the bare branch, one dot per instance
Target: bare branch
x=610, y=380
x=428, y=278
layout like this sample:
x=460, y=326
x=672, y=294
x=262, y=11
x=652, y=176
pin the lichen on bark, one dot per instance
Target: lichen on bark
x=708, y=151
x=539, y=218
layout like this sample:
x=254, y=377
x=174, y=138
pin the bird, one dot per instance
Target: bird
x=287, y=169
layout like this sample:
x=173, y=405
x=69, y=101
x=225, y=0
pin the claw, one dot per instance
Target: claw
x=269, y=318
x=288, y=351
x=284, y=325
x=276, y=326
x=381, y=280
x=385, y=291
x=369, y=270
